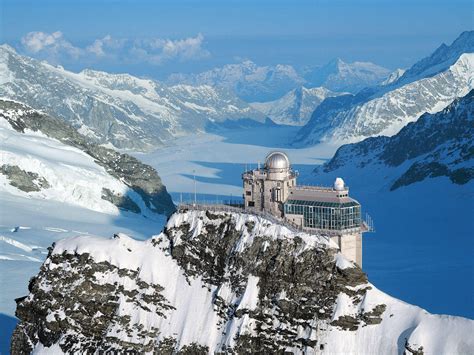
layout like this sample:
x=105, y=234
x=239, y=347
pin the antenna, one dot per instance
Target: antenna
x=194, y=178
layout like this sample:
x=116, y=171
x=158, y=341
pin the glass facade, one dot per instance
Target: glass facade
x=326, y=215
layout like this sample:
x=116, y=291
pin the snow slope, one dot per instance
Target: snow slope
x=428, y=86
x=120, y=109
x=203, y=285
x=387, y=114
x=74, y=177
x=295, y=107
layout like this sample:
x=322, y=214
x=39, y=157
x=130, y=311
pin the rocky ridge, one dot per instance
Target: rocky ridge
x=218, y=282
x=119, y=109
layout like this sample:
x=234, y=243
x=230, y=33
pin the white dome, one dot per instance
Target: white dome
x=339, y=184
x=277, y=160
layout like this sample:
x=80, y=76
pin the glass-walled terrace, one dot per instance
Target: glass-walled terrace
x=326, y=215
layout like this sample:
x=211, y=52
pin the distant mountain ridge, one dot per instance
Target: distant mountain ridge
x=255, y=83
x=385, y=109
x=120, y=109
x=352, y=77
x=441, y=59
x=296, y=107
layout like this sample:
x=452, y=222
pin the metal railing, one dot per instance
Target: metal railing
x=366, y=226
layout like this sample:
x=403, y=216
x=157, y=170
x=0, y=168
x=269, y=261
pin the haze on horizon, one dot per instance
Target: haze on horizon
x=155, y=39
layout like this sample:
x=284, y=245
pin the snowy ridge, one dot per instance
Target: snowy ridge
x=202, y=285
x=338, y=75
x=388, y=113
x=248, y=80
x=296, y=107
x=120, y=109
x=448, y=136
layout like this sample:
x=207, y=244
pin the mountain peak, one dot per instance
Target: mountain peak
x=8, y=48
x=441, y=59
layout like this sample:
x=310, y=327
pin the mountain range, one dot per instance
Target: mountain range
x=429, y=86
x=118, y=109
x=254, y=83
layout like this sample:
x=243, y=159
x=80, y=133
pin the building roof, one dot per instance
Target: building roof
x=315, y=194
x=277, y=160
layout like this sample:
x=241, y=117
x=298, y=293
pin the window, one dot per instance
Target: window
x=248, y=193
x=251, y=204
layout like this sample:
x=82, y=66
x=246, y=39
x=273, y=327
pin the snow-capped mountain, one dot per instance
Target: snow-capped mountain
x=44, y=158
x=296, y=107
x=351, y=77
x=441, y=59
x=219, y=282
x=393, y=77
x=120, y=109
x=248, y=80
x=386, y=109
x=440, y=144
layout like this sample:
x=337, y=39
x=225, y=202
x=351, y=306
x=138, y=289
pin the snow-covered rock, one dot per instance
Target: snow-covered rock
x=248, y=80
x=45, y=158
x=393, y=77
x=340, y=76
x=388, y=108
x=295, y=107
x=120, y=109
x=440, y=144
x=219, y=281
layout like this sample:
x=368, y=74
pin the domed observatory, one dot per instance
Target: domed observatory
x=268, y=187
x=323, y=210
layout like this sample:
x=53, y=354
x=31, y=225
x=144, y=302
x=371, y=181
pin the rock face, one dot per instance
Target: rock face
x=429, y=86
x=119, y=109
x=218, y=282
x=440, y=144
x=24, y=180
x=139, y=177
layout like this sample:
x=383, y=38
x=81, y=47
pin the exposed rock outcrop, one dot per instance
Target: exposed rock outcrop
x=213, y=282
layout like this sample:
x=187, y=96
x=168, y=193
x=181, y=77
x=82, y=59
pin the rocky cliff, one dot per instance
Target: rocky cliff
x=220, y=282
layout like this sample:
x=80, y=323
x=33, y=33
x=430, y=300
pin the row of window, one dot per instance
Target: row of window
x=334, y=218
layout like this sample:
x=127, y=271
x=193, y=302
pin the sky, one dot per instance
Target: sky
x=156, y=38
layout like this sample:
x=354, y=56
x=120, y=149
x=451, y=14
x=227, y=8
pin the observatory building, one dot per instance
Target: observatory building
x=323, y=210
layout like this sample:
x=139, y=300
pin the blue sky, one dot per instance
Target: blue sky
x=155, y=38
